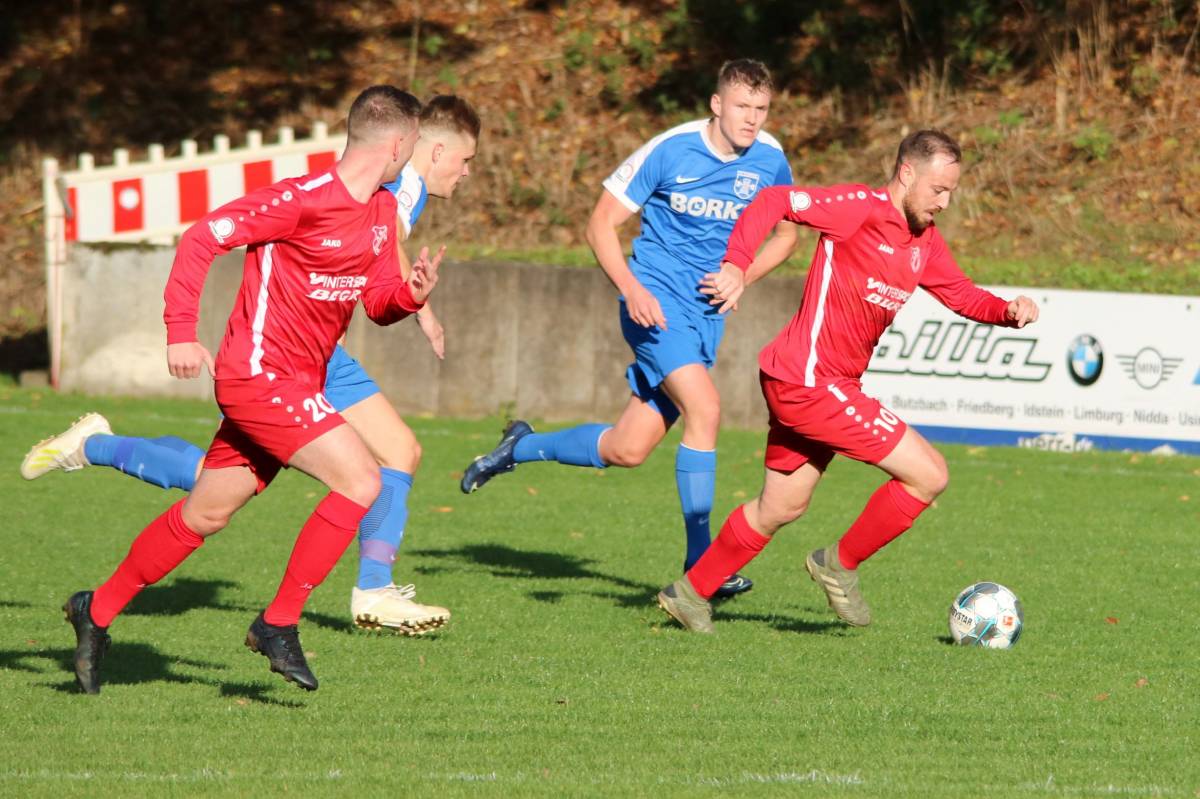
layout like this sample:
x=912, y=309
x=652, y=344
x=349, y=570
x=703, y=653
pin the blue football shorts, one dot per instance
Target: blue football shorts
x=346, y=381
x=689, y=338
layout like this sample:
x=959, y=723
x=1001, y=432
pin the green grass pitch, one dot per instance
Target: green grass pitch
x=558, y=677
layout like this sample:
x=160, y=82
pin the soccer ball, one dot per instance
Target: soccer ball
x=988, y=615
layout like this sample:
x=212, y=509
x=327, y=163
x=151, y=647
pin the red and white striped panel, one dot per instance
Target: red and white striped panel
x=163, y=198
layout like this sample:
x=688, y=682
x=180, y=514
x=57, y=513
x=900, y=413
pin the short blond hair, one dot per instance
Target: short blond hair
x=452, y=113
x=747, y=72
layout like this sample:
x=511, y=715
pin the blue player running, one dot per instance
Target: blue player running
x=689, y=183
x=449, y=133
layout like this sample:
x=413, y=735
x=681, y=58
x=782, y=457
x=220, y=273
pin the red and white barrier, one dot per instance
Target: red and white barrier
x=157, y=199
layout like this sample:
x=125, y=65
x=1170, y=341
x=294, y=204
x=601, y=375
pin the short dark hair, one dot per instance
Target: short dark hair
x=922, y=146
x=378, y=108
x=453, y=113
x=747, y=72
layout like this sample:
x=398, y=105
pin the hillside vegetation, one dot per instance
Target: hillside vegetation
x=1079, y=118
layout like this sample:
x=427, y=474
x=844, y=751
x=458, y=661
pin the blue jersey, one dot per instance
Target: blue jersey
x=409, y=191
x=690, y=196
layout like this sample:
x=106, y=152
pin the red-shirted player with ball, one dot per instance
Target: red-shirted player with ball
x=876, y=246
x=316, y=247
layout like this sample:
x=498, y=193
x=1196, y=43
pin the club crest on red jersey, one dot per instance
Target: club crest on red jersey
x=915, y=258
x=380, y=238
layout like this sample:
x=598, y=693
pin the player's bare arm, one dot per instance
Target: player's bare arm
x=426, y=319
x=608, y=215
x=728, y=285
x=425, y=273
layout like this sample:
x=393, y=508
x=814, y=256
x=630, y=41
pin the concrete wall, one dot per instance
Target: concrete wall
x=541, y=342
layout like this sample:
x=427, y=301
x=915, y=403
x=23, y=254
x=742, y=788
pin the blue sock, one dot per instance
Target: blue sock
x=696, y=479
x=575, y=446
x=382, y=529
x=167, y=462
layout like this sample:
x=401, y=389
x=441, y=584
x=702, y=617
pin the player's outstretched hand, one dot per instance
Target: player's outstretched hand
x=184, y=360
x=643, y=308
x=1022, y=310
x=724, y=287
x=433, y=331
x=425, y=273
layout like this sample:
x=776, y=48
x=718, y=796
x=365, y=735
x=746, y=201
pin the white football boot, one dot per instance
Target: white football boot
x=65, y=450
x=392, y=608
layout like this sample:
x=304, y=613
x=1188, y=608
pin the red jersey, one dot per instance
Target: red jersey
x=313, y=252
x=867, y=265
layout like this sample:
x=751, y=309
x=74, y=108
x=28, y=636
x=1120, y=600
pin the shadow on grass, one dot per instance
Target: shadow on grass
x=505, y=561
x=945, y=639
x=182, y=595
x=185, y=593
x=9, y=603
x=786, y=624
x=134, y=663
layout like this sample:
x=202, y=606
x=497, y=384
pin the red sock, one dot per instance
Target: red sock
x=321, y=542
x=889, y=512
x=736, y=546
x=164, y=544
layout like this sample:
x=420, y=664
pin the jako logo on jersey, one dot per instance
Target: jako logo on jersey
x=958, y=349
x=887, y=249
x=380, y=232
x=336, y=288
x=331, y=242
x=745, y=185
x=800, y=201
x=914, y=258
x=222, y=228
x=701, y=206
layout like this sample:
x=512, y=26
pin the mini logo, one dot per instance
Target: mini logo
x=331, y=242
x=221, y=228
x=914, y=258
x=1149, y=368
x=862, y=195
x=745, y=185
x=887, y=249
x=624, y=172
x=800, y=201
x=380, y=232
x=879, y=196
x=682, y=179
x=404, y=199
x=1085, y=360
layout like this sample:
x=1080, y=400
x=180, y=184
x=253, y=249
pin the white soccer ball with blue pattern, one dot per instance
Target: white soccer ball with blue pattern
x=987, y=615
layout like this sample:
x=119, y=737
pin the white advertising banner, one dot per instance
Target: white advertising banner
x=1098, y=370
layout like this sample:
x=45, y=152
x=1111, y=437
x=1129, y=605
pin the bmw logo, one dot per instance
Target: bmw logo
x=1085, y=360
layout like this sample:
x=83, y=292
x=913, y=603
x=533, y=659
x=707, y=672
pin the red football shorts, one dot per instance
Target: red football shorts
x=811, y=425
x=265, y=422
